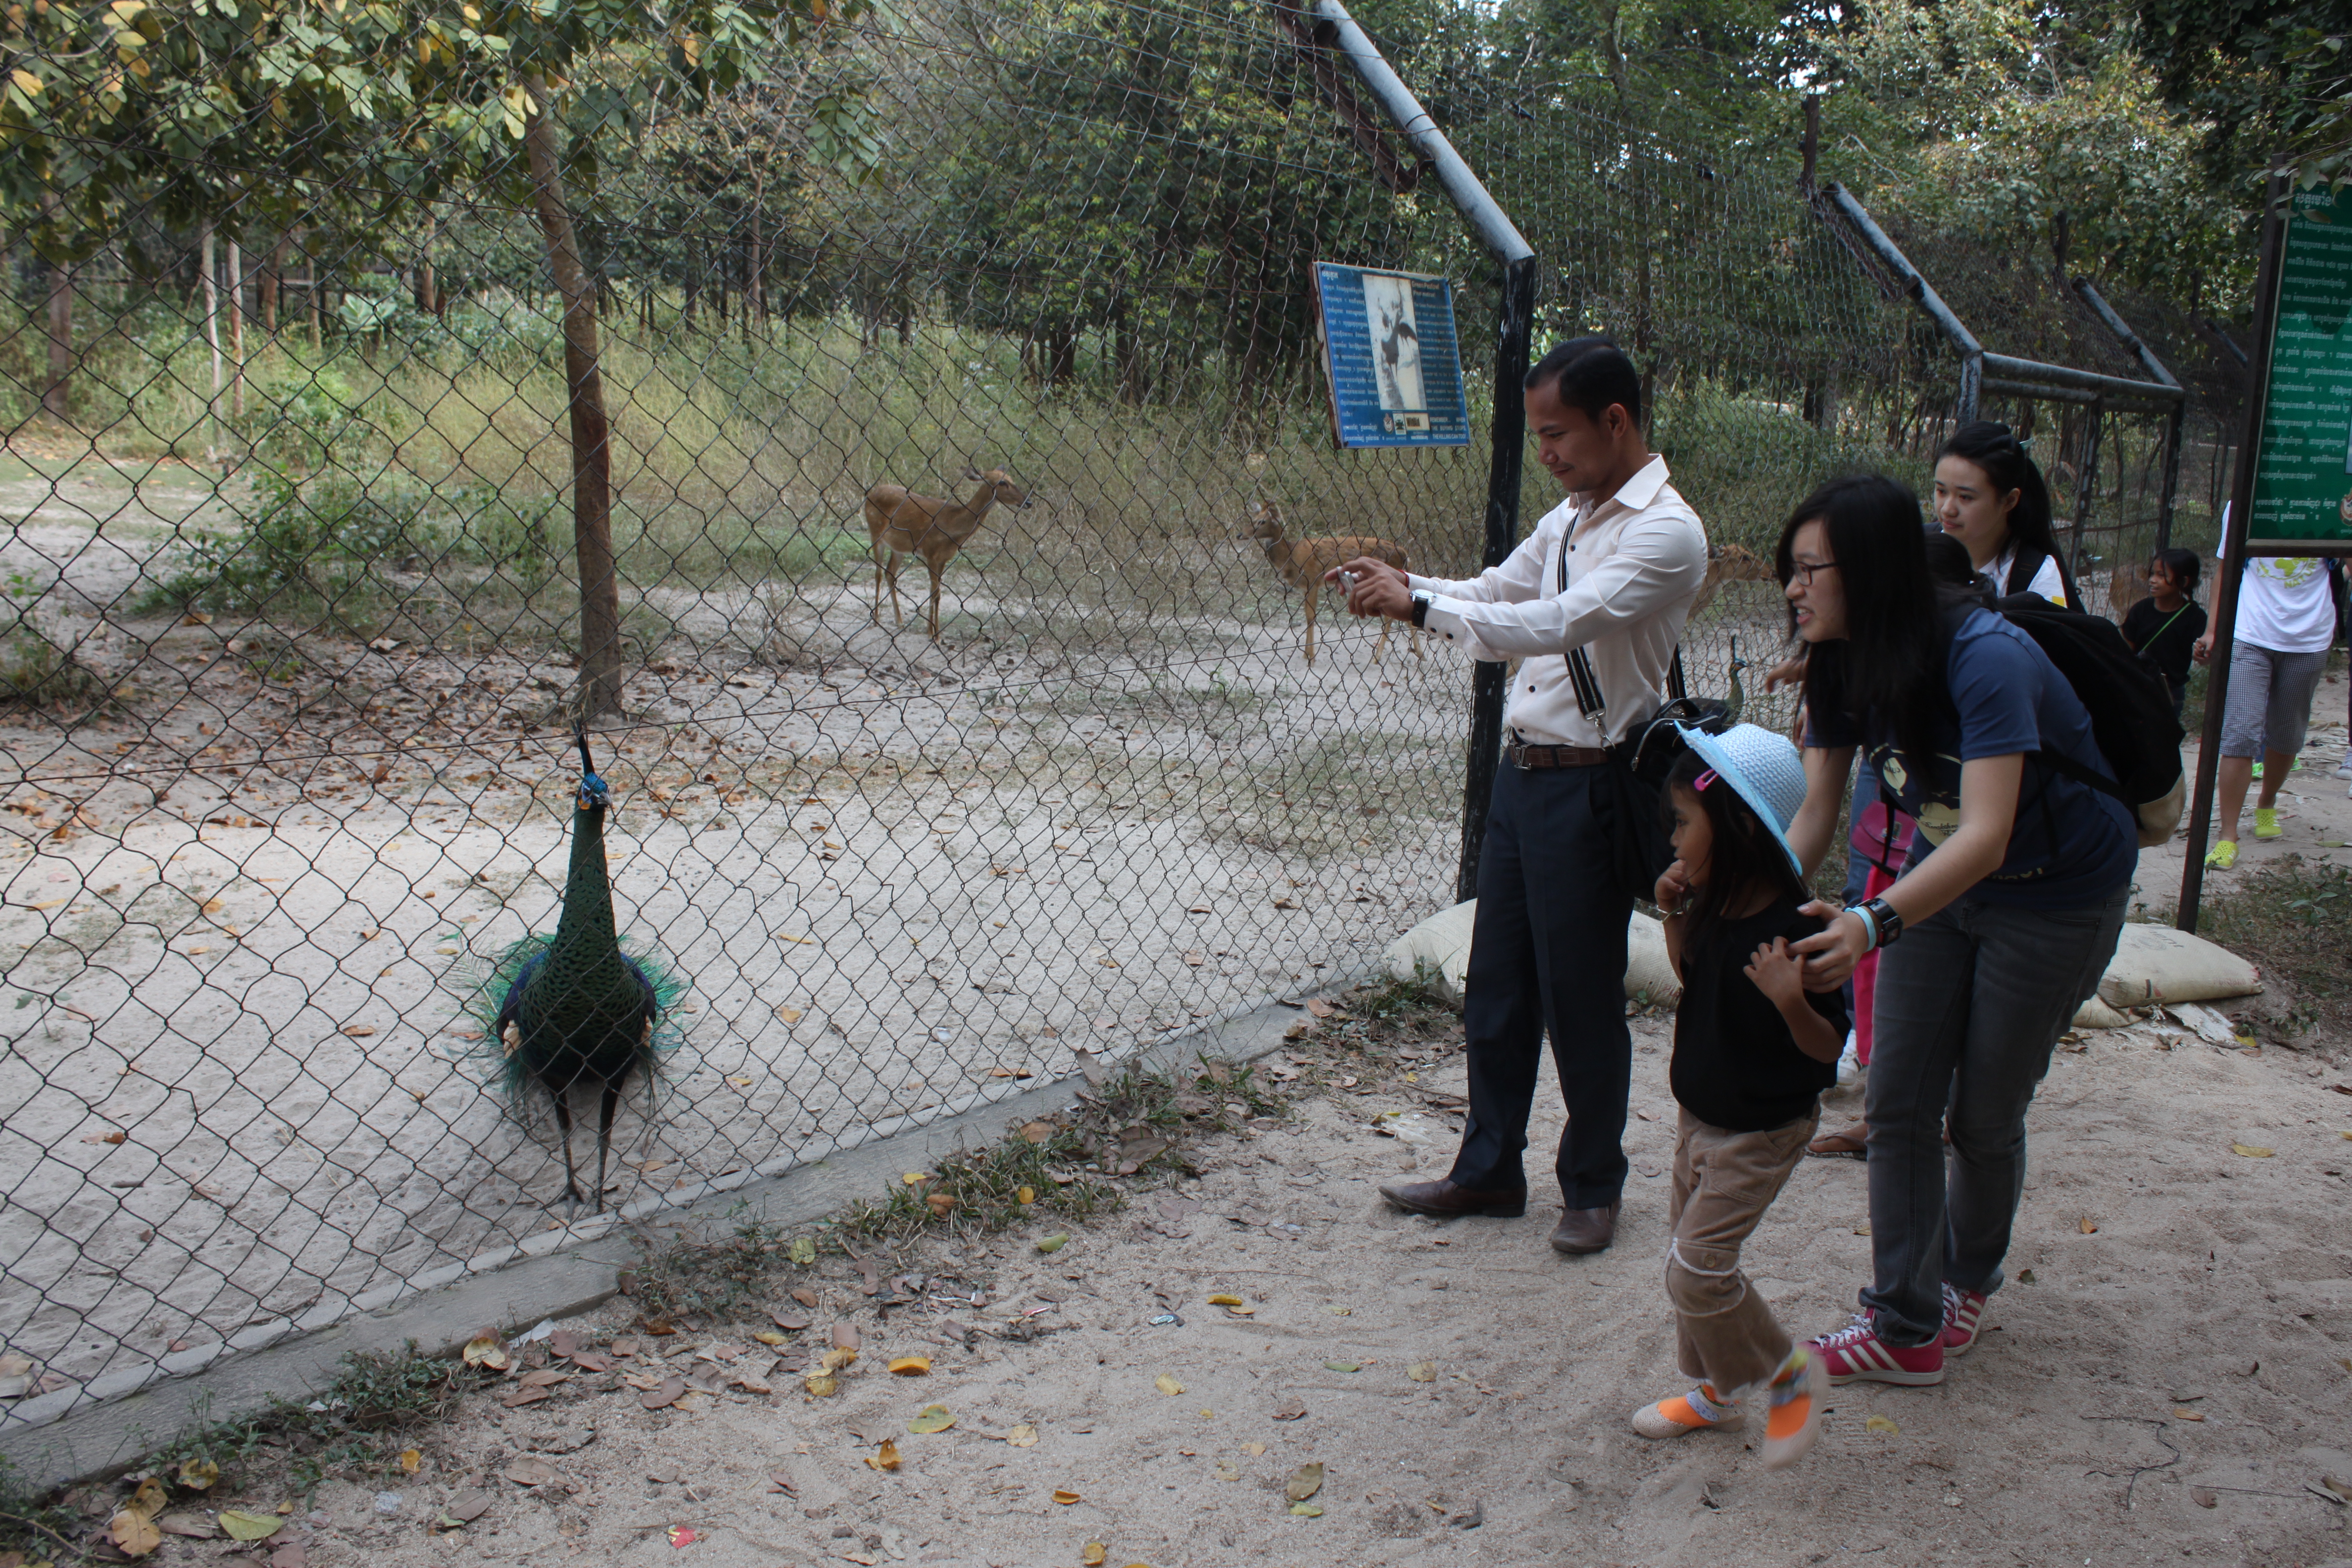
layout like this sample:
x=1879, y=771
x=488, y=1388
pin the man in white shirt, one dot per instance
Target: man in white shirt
x=1593, y=601
x=2284, y=621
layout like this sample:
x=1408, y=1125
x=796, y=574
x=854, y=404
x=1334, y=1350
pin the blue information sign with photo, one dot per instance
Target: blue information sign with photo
x=1394, y=362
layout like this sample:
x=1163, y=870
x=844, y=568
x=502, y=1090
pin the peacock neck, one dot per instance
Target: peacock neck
x=586, y=925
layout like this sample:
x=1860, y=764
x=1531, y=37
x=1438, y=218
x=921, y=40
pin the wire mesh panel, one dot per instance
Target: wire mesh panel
x=296, y=638
x=345, y=473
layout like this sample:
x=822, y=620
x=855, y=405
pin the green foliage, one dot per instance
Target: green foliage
x=2271, y=83
x=333, y=537
x=2007, y=120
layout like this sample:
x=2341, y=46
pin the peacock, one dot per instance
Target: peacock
x=1738, y=692
x=576, y=1008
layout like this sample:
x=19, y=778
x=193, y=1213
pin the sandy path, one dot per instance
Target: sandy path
x=2190, y=1346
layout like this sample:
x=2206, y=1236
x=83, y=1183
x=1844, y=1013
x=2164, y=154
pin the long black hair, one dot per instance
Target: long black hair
x=1889, y=669
x=1994, y=448
x=1743, y=857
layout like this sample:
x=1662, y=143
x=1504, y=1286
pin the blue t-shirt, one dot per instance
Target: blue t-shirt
x=2072, y=845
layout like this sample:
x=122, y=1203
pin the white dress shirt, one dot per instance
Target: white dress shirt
x=1597, y=634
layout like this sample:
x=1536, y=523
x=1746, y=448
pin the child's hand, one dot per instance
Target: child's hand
x=1671, y=889
x=1777, y=972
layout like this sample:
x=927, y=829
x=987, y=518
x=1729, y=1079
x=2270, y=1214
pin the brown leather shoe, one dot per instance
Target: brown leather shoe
x=1585, y=1230
x=1447, y=1201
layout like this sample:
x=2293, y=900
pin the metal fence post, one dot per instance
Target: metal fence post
x=1513, y=326
x=1514, y=323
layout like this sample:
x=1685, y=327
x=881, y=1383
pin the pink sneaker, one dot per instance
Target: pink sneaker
x=1962, y=1309
x=1856, y=1354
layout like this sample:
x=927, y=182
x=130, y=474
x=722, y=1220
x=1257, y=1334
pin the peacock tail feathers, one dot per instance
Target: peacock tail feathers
x=486, y=993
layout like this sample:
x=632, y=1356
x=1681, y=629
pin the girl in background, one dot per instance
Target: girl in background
x=2163, y=628
x=1992, y=498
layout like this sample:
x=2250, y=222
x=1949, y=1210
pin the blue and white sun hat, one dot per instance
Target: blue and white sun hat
x=1763, y=767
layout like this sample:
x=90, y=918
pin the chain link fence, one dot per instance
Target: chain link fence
x=297, y=620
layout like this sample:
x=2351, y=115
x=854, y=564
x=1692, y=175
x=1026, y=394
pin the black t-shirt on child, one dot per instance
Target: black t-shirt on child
x=2165, y=638
x=1735, y=1066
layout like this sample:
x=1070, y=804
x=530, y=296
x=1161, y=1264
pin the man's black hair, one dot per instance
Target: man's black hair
x=1592, y=374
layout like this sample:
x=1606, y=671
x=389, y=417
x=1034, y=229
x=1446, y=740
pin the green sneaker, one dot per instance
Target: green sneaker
x=2222, y=855
x=2266, y=822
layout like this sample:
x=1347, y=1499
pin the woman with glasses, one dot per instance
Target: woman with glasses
x=2003, y=919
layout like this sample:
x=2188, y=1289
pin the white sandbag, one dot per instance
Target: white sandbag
x=1440, y=944
x=2156, y=964
x=2096, y=1015
x=1648, y=976
x=1440, y=947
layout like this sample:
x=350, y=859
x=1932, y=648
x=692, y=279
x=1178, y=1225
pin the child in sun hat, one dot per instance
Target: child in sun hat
x=1753, y=1050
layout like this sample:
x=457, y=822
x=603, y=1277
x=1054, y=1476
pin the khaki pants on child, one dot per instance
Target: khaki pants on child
x=1724, y=1181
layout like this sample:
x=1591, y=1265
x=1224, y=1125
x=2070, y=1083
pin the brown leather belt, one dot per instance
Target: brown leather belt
x=1525, y=757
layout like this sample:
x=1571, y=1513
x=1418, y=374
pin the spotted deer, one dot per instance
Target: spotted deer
x=1303, y=562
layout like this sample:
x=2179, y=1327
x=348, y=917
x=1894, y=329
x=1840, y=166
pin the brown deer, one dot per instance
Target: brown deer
x=1303, y=562
x=1730, y=563
x=902, y=524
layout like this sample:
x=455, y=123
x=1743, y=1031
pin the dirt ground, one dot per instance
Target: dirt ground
x=2163, y=1381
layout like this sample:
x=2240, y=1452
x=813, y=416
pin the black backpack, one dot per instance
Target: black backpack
x=2130, y=709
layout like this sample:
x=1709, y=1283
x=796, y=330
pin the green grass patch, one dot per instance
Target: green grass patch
x=2295, y=920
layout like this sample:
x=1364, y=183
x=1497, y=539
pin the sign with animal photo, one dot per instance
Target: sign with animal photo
x=2303, y=483
x=1394, y=363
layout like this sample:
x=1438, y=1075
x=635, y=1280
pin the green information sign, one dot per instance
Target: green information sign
x=2303, y=485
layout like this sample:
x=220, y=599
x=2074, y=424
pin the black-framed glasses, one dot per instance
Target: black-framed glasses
x=1802, y=571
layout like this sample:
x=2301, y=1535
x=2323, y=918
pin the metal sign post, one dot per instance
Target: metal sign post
x=2292, y=492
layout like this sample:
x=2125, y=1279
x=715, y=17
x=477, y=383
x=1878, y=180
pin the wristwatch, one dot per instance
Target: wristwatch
x=1420, y=603
x=1885, y=925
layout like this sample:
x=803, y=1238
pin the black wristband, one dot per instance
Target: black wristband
x=1883, y=916
x=1420, y=603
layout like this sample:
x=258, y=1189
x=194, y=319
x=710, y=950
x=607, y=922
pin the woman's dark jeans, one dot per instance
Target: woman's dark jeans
x=1971, y=1002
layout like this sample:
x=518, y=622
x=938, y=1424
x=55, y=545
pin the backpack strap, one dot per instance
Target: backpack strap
x=2059, y=762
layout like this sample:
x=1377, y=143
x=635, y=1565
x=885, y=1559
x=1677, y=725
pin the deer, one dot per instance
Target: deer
x=1730, y=563
x=1303, y=562
x=902, y=524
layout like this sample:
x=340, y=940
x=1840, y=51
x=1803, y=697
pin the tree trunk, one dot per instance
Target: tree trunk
x=211, y=285
x=236, y=327
x=265, y=287
x=57, y=397
x=599, y=692
x=429, y=294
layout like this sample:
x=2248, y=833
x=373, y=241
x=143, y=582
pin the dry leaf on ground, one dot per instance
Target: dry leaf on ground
x=1167, y=1384
x=668, y=1391
x=1064, y=1497
x=1305, y=1482
x=909, y=1365
x=1021, y=1437
x=884, y=1458
x=2251, y=1151
x=1053, y=1243
x=1224, y=1299
x=933, y=1418
x=529, y=1471
x=244, y=1526
x=1094, y=1554
x=194, y=1526
x=133, y=1533
x=1880, y=1423
x=1423, y=1372
x=2088, y=1227
x=483, y=1350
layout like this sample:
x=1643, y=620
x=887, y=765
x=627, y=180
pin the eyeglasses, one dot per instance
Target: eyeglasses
x=1802, y=571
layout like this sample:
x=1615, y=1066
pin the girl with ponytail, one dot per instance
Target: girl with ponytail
x=1991, y=496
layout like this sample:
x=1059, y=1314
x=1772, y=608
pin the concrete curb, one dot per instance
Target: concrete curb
x=108, y=1435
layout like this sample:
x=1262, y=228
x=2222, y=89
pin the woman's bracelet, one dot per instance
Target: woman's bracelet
x=1869, y=925
x=1885, y=924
